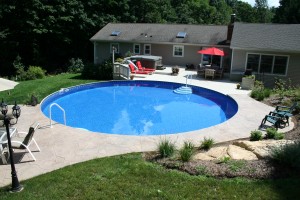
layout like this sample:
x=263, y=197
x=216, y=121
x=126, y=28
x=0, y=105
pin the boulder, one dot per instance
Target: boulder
x=239, y=153
x=218, y=152
x=202, y=156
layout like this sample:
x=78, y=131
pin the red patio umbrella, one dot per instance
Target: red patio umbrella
x=212, y=51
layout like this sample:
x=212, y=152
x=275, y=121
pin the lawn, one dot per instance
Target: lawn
x=130, y=177
x=41, y=87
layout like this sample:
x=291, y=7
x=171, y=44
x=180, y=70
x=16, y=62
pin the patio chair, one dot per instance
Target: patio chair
x=141, y=68
x=134, y=71
x=23, y=140
x=285, y=112
x=273, y=119
x=219, y=73
x=210, y=73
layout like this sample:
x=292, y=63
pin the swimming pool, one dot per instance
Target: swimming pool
x=139, y=108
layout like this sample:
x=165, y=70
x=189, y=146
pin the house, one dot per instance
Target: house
x=268, y=50
x=176, y=43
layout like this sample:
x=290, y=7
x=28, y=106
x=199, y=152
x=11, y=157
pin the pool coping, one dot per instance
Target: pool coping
x=62, y=146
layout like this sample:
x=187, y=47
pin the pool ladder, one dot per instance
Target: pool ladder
x=50, y=109
x=184, y=89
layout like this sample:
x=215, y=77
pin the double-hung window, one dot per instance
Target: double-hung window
x=147, y=49
x=136, y=49
x=178, y=51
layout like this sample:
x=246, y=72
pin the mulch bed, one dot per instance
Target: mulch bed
x=257, y=169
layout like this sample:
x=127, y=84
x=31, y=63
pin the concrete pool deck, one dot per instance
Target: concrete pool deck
x=62, y=146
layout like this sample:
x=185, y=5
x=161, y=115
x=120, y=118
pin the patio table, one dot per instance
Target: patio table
x=3, y=141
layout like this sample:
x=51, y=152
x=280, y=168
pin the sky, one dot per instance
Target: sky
x=271, y=3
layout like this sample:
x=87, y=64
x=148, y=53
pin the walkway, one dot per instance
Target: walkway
x=62, y=146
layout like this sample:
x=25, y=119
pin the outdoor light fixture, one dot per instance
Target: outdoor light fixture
x=16, y=111
x=3, y=107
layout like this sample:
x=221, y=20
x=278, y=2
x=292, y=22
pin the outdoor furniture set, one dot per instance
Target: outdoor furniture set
x=213, y=72
x=279, y=118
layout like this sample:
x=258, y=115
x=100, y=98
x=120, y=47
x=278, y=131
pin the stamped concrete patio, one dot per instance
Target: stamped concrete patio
x=62, y=145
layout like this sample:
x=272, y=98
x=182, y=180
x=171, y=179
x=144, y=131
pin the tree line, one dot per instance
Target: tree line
x=48, y=33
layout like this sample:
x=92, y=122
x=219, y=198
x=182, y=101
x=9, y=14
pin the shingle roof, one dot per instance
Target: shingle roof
x=163, y=33
x=269, y=37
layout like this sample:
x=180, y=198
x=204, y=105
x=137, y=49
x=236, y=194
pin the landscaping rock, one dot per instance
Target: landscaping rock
x=202, y=156
x=236, y=153
x=218, y=152
x=262, y=149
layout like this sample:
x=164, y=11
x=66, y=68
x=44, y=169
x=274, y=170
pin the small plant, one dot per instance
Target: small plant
x=175, y=70
x=256, y=135
x=202, y=170
x=166, y=148
x=288, y=155
x=186, y=151
x=131, y=77
x=238, y=86
x=271, y=132
x=224, y=159
x=250, y=77
x=279, y=136
x=207, y=143
x=236, y=165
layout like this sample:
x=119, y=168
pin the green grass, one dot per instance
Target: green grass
x=41, y=87
x=130, y=177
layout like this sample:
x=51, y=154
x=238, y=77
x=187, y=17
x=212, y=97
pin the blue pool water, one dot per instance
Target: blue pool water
x=139, y=108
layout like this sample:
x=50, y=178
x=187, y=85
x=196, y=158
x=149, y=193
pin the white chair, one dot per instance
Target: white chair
x=23, y=140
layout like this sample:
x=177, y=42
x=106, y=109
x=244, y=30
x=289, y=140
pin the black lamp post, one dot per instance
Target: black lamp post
x=16, y=111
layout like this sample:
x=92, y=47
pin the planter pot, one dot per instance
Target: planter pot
x=247, y=83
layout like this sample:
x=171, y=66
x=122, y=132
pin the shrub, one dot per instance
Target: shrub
x=102, y=71
x=75, y=65
x=35, y=72
x=20, y=69
x=186, y=151
x=224, y=159
x=279, y=136
x=271, y=132
x=259, y=92
x=256, y=135
x=207, y=143
x=166, y=148
x=288, y=155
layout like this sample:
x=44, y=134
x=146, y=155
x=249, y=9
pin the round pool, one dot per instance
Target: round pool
x=138, y=107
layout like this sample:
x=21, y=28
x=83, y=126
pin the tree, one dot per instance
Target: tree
x=263, y=13
x=288, y=12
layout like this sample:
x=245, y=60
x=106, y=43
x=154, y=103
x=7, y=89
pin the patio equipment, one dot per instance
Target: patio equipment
x=23, y=140
x=210, y=73
x=285, y=112
x=273, y=119
x=212, y=51
x=141, y=68
x=135, y=71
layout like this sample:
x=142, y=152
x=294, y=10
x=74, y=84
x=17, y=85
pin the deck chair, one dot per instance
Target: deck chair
x=141, y=68
x=134, y=71
x=273, y=119
x=285, y=112
x=23, y=140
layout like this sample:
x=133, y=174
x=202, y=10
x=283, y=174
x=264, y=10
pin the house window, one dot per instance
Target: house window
x=270, y=64
x=114, y=45
x=147, y=49
x=136, y=48
x=178, y=51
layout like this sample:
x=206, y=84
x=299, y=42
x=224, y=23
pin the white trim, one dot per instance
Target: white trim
x=136, y=53
x=178, y=46
x=232, y=61
x=145, y=45
x=266, y=54
x=116, y=45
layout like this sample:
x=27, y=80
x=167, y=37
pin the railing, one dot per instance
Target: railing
x=121, y=71
x=50, y=109
x=188, y=77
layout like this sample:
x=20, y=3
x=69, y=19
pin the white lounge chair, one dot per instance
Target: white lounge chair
x=22, y=140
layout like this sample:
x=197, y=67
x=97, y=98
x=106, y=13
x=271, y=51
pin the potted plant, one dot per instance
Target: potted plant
x=248, y=82
x=175, y=70
x=238, y=86
x=131, y=77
